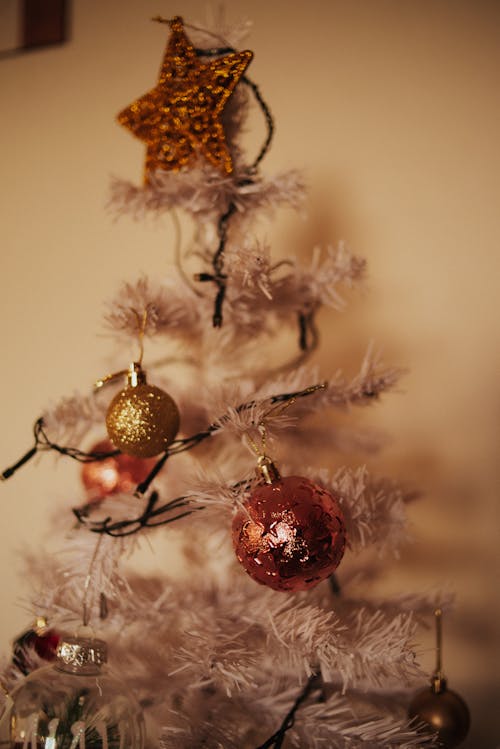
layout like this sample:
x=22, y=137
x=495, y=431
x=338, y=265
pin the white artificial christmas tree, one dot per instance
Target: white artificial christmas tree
x=214, y=658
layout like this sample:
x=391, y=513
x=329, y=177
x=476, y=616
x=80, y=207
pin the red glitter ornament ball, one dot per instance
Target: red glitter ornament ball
x=42, y=640
x=291, y=534
x=120, y=473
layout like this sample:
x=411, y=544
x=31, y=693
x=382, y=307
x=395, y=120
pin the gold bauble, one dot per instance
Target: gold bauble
x=444, y=711
x=142, y=420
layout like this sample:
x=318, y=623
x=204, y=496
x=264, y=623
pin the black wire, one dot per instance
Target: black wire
x=269, y=120
x=144, y=485
x=145, y=520
x=308, y=332
x=126, y=527
x=217, y=51
x=43, y=443
x=218, y=259
x=11, y=471
x=122, y=528
x=182, y=445
x=218, y=276
x=334, y=585
x=277, y=739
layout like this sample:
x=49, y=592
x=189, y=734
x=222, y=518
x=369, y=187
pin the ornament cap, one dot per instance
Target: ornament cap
x=136, y=375
x=438, y=684
x=267, y=470
x=81, y=655
x=40, y=625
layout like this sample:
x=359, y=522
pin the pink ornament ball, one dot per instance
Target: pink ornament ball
x=119, y=473
x=290, y=534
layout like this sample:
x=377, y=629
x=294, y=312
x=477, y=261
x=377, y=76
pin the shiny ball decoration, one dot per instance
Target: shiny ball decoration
x=443, y=711
x=76, y=702
x=290, y=534
x=118, y=473
x=40, y=639
x=142, y=420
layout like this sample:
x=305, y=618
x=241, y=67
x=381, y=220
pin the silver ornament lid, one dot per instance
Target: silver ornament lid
x=81, y=655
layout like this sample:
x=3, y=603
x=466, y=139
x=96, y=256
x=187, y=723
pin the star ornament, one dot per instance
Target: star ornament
x=180, y=119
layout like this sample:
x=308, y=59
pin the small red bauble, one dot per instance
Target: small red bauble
x=290, y=534
x=41, y=639
x=120, y=473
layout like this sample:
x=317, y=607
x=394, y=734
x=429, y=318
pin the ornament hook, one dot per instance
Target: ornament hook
x=135, y=373
x=266, y=469
x=135, y=376
x=98, y=384
x=438, y=681
x=141, y=326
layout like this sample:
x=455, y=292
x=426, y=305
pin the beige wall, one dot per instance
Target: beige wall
x=392, y=107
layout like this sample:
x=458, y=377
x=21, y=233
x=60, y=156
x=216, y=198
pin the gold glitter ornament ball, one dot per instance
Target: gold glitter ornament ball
x=142, y=420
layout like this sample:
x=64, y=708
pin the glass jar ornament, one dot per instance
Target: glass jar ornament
x=75, y=703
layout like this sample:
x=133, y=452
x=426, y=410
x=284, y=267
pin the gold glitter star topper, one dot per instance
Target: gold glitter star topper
x=180, y=119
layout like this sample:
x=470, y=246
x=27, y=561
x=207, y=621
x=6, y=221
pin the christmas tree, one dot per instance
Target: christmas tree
x=214, y=658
